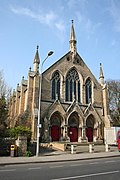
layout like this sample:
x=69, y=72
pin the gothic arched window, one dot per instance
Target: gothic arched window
x=72, y=86
x=88, y=91
x=56, y=85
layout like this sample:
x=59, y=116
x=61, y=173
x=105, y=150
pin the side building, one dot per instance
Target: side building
x=74, y=105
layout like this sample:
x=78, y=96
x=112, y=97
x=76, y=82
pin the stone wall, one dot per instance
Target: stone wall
x=21, y=143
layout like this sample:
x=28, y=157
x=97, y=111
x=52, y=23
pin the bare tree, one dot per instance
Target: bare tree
x=114, y=100
x=5, y=91
x=4, y=95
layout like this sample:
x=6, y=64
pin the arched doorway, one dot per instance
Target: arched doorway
x=90, y=128
x=55, y=131
x=73, y=127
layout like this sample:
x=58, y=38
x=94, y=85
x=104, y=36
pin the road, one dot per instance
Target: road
x=96, y=169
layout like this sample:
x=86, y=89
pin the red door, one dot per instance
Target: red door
x=55, y=133
x=89, y=134
x=73, y=134
x=118, y=140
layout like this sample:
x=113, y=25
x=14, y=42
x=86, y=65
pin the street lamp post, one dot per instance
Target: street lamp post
x=39, y=103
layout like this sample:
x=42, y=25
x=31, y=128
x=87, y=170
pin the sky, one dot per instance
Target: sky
x=25, y=24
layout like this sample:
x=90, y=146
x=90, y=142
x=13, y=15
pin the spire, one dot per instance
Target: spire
x=101, y=75
x=36, y=60
x=73, y=41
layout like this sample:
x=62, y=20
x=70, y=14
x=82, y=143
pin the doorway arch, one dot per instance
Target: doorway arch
x=73, y=123
x=90, y=127
x=55, y=122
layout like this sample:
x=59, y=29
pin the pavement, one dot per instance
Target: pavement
x=57, y=156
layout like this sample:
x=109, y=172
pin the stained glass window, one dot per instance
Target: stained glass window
x=72, y=86
x=56, y=85
x=88, y=89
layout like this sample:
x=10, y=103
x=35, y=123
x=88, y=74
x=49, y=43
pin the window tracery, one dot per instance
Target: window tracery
x=56, y=85
x=88, y=91
x=72, y=86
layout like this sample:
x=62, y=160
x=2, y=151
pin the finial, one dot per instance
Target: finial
x=101, y=75
x=37, y=47
x=72, y=21
x=36, y=58
x=23, y=78
x=30, y=69
x=73, y=41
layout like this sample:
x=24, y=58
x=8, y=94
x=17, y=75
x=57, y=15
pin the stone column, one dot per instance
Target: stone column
x=46, y=130
x=94, y=134
x=66, y=134
x=50, y=139
x=61, y=133
x=79, y=134
x=77, y=91
x=98, y=131
x=84, y=138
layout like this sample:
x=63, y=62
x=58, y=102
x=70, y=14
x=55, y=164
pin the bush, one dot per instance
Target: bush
x=28, y=153
x=20, y=130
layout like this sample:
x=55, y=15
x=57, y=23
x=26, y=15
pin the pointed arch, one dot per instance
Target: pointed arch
x=88, y=90
x=73, y=124
x=56, y=85
x=56, y=118
x=55, y=124
x=90, y=121
x=72, y=87
x=73, y=119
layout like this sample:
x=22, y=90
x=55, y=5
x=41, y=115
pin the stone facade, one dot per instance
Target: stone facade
x=74, y=105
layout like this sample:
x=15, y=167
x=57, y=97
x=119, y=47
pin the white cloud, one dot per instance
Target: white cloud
x=23, y=11
x=60, y=26
x=115, y=43
x=114, y=10
x=86, y=24
x=80, y=4
x=50, y=18
x=71, y=3
x=47, y=18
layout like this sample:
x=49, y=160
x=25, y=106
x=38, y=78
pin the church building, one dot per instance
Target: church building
x=73, y=103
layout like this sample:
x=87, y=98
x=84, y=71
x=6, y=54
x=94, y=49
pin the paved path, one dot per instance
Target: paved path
x=56, y=157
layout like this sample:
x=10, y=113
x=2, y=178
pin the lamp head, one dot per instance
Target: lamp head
x=50, y=53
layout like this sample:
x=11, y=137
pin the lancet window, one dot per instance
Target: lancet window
x=56, y=85
x=72, y=86
x=88, y=91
